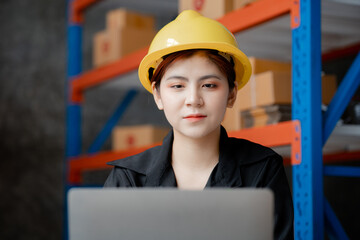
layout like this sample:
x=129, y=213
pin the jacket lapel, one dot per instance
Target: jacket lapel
x=161, y=174
x=227, y=172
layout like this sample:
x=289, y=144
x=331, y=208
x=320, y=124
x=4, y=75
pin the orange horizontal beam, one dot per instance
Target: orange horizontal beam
x=105, y=73
x=285, y=133
x=77, y=9
x=339, y=157
x=281, y=134
x=98, y=161
x=272, y=135
x=255, y=14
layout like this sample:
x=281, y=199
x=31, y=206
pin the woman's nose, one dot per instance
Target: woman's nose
x=194, y=98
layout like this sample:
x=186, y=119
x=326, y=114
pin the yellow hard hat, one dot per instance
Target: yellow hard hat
x=191, y=30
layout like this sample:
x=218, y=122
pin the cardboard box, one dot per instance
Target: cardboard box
x=111, y=45
x=124, y=138
x=245, y=100
x=232, y=119
x=267, y=115
x=121, y=17
x=265, y=89
x=269, y=88
x=242, y=3
x=263, y=65
x=329, y=87
x=126, y=32
x=101, y=49
x=126, y=40
x=208, y=8
x=272, y=88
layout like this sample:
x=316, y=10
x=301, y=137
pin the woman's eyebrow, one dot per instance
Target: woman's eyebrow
x=202, y=78
x=176, y=77
x=210, y=76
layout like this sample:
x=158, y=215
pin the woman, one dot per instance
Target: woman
x=194, y=69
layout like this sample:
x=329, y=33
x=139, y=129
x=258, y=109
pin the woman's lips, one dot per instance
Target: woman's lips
x=195, y=117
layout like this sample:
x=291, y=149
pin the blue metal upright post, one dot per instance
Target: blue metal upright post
x=306, y=102
x=74, y=67
x=73, y=110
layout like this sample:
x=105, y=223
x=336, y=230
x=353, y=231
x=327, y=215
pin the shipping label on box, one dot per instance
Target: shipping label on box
x=101, y=49
x=208, y=8
x=124, y=138
x=121, y=17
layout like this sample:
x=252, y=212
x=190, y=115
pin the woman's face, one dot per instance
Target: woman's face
x=194, y=95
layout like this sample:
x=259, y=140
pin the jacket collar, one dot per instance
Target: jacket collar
x=160, y=173
x=227, y=172
x=155, y=163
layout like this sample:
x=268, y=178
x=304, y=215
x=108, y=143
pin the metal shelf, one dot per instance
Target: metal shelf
x=305, y=51
x=343, y=145
x=234, y=21
x=276, y=44
x=345, y=139
x=272, y=40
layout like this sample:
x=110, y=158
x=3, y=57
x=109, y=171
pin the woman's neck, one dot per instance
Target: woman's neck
x=196, y=154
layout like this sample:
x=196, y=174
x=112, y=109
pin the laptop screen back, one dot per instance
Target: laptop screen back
x=135, y=214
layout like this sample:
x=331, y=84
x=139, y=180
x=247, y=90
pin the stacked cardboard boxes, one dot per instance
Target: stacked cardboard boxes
x=213, y=9
x=125, y=33
x=266, y=98
x=128, y=137
x=266, y=115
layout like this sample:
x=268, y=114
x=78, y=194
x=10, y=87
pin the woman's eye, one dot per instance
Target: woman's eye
x=177, y=86
x=209, y=85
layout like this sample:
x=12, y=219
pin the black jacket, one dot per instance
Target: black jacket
x=241, y=164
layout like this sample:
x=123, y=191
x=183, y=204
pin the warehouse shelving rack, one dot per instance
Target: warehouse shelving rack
x=309, y=129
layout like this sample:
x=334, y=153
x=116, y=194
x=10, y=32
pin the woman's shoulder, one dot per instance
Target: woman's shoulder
x=250, y=152
x=148, y=159
x=139, y=162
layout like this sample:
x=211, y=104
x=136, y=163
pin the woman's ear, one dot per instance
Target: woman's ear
x=157, y=96
x=232, y=96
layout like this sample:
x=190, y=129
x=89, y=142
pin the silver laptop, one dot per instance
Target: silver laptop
x=171, y=214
